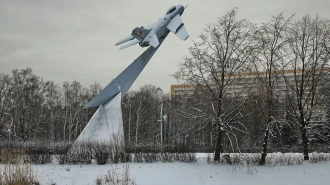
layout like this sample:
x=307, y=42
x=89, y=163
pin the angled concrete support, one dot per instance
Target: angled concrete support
x=106, y=123
x=107, y=120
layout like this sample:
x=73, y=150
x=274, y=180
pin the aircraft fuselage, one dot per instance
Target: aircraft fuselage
x=150, y=34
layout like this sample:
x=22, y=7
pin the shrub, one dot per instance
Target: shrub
x=62, y=158
x=72, y=156
x=40, y=158
x=167, y=157
x=284, y=159
x=138, y=157
x=150, y=157
x=319, y=157
x=209, y=158
x=101, y=152
x=85, y=153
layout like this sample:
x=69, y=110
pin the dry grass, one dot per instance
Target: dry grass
x=115, y=178
x=15, y=170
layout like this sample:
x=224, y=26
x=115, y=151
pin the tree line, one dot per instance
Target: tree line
x=34, y=110
x=282, y=99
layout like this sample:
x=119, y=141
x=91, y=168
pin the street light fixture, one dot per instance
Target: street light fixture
x=161, y=119
x=10, y=125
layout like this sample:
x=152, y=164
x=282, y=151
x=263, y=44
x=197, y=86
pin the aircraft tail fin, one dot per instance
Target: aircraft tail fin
x=140, y=33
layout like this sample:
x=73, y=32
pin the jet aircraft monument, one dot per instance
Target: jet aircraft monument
x=107, y=120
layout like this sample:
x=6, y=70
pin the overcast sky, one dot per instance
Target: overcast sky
x=67, y=40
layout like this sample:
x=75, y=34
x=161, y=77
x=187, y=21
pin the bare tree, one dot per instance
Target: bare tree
x=212, y=65
x=5, y=104
x=323, y=128
x=140, y=115
x=140, y=112
x=309, y=62
x=27, y=101
x=53, y=105
x=127, y=115
x=269, y=61
x=75, y=98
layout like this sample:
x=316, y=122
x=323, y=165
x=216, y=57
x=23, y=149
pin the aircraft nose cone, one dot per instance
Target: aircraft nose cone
x=180, y=9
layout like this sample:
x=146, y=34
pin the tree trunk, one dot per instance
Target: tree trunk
x=264, y=148
x=136, y=131
x=304, y=140
x=218, y=147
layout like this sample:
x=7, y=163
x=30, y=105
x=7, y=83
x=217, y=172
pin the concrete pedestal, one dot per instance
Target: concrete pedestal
x=106, y=123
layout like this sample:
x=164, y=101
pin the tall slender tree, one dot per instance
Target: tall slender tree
x=309, y=62
x=269, y=60
x=224, y=49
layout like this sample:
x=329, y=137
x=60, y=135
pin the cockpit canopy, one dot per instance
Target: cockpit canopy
x=171, y=9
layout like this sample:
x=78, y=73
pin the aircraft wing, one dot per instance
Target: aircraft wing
x=177, y=27
x=126, y=39
x=135, y=41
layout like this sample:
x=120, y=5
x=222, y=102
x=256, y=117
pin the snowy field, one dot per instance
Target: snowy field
x=179, y=173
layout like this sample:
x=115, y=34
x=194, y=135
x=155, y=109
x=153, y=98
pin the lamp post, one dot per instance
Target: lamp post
x=165, y=124
x=161, y=119
x=10, y=125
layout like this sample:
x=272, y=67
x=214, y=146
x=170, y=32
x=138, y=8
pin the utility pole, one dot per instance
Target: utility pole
x=129, y=120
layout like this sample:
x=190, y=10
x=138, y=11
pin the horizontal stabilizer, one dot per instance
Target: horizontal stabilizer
x=126, y=39
x=140, y=33
x=129, y=44
x=177, y=27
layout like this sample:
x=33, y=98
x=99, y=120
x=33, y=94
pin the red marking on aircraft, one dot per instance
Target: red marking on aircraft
x=141, y=32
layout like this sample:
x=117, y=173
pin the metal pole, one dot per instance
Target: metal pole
x=161, y=124
x=129, y=120
x=9, y=137
x=161, y=120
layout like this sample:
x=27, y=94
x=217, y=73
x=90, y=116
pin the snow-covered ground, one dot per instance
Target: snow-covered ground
x=178, y=173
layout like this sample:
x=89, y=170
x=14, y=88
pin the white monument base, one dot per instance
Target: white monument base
x=106, y=124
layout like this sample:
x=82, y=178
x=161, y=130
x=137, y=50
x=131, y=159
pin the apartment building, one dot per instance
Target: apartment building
x=241, y=84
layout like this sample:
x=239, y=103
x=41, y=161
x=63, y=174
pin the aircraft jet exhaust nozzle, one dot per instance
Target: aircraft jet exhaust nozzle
x=144, y=44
